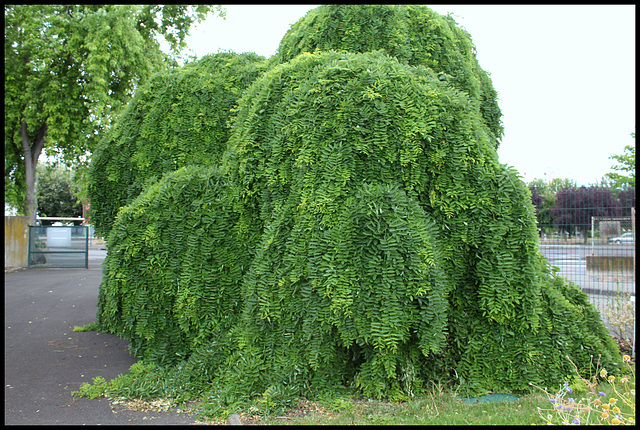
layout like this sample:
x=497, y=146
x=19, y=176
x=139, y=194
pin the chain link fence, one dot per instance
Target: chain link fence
x=588, y=234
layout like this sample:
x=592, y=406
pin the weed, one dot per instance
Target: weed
x=92, y=391
x=93, y=326
x=611, y=403
x=621, y=316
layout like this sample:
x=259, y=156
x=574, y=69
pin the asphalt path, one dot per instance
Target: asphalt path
x=45, y=360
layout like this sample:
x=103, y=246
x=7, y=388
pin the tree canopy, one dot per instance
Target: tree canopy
x=543, y=197
x=177, y=255
x=69, y=69
x=178, y=118
x=626, y=166
x=358, y=232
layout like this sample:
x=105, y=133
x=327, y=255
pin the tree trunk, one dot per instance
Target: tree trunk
x=31, y=155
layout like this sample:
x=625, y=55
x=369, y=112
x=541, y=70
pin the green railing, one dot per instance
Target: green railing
x=58, y=247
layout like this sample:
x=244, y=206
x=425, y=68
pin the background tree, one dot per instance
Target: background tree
x=543, y=196
x=627, y=199
x=176, y=119
x=627, y=165
x=57, y=192
x=574, y=208
x=69, y=69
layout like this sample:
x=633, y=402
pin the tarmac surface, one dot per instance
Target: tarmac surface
x=45, y=360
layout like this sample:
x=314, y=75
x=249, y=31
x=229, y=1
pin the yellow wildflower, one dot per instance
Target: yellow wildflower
x=603, y=373
x=605, y=407
x=616, y=409
x=613, y=401
x=605, y=415
x=615, y=421
x=626, y=358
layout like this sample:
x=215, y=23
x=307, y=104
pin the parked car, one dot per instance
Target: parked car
x=624, y=238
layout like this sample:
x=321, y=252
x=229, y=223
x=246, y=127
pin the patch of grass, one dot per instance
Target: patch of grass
x=440, y=406
x=443, y=407
x=148, y=386
x=93, y=326
x=436, y=409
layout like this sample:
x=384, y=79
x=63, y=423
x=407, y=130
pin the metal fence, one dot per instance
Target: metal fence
x=594, y=247
x=58, y=247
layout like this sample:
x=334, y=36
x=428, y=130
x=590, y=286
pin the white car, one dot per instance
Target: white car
x=625, y=238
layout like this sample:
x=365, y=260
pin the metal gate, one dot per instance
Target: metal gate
x=58, y=247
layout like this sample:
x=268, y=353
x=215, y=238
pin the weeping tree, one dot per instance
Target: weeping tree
x=413, y=34
x=178, y=118
x=360, y=233
x=393, y=238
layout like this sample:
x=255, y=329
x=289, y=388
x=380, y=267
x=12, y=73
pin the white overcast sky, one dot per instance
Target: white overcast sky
x=565, y=75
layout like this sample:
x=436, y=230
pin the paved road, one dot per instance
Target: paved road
x=45, y=360
x=582, y=250
x=601, y=287
x=570, y=259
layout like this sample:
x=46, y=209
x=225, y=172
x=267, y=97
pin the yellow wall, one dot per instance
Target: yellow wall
x=16, y=241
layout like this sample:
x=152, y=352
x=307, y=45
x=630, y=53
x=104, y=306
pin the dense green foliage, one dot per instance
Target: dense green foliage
x=69, y=69
x=368, y=237
x=179, y=118
x=414, y=34
x=171, y=280
x=626, y=165
x=57, y=192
